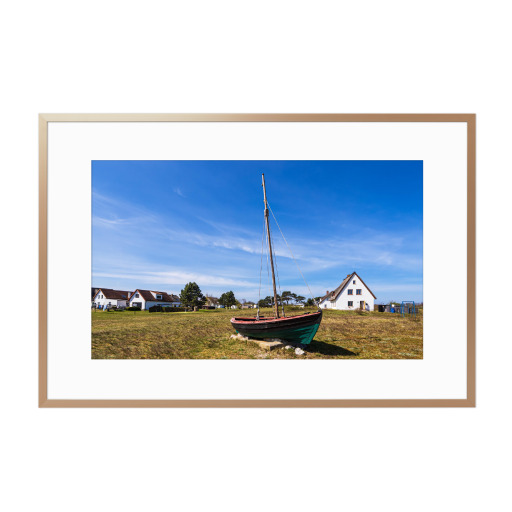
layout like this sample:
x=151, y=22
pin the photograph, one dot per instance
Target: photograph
x=255, y=259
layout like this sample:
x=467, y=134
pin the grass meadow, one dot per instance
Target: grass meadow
x=206, y=335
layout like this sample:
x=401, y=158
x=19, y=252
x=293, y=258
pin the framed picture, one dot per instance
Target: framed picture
x=257, y=260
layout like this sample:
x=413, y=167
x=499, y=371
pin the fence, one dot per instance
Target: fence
x=405, y=308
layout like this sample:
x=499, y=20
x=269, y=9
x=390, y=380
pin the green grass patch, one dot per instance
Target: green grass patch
x=206, y=334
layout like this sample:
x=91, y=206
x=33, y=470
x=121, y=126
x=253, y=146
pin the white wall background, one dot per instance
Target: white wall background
x=266, y=56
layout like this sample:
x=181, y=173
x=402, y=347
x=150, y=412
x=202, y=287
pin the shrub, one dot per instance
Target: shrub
x=165, y=309
x=133, y=308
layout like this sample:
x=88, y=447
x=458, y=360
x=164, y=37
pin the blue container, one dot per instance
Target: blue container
x=392, y=310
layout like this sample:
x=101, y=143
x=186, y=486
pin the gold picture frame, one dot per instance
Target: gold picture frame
x=469, y=119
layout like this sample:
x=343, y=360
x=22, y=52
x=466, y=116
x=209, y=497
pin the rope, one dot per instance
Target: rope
x=293, y=257
x=269, y=281
x=261, y=269
x=277, y=272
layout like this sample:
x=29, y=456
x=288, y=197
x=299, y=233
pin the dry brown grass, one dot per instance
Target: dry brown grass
x=206, y=335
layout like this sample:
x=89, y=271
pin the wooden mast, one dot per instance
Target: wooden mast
x=276, y=307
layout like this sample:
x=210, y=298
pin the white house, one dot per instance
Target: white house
x=212, y=302
x=351, y=294
x=144, y=299
x=106, y=297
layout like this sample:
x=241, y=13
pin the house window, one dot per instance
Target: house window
x=354, y=281
x=358, y=292
x=136, y=295
x=350, y=303
x=159, y=297
x=350, y=292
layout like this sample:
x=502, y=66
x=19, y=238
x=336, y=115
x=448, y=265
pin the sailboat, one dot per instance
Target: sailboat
x=294, y=329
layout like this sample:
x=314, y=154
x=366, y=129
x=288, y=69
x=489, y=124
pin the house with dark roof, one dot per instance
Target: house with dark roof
x=106, y=297
x=351, y=294
x=144, y=299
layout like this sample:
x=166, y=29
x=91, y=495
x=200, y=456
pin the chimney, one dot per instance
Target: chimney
x=327, y=292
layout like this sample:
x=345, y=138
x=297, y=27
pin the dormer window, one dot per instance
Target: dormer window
x=159, y=297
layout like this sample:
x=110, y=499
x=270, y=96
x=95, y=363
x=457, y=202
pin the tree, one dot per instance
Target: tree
x=310, y=302
x=286, y=297
x=266, y=302
x=299, y=299
x=227, y=299
x=191, y=296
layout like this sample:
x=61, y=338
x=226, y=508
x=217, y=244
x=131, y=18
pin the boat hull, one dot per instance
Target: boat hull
x=295, y=329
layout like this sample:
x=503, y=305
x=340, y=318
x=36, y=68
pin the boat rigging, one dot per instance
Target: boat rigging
x=301, y=328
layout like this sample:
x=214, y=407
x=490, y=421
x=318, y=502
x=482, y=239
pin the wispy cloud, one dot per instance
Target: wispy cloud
x=379, y=248
x=375, y=247
x=177, y=190
x=111, y=223
x=177, y=278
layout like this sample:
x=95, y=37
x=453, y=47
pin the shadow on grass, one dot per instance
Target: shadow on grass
x=327, y=349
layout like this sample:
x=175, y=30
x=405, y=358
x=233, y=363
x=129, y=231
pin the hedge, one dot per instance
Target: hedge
x=165, y=309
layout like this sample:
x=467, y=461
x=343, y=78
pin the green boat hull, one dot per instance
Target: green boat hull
x=303, y=335
x=299, y=329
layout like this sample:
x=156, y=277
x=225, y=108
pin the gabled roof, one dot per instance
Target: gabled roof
x=334, y=294
x=113, y=294
x=147, y=295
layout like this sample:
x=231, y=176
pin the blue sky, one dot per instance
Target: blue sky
x=160, y=224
